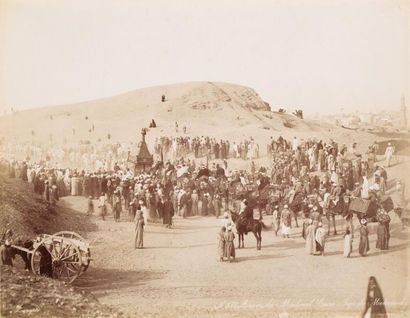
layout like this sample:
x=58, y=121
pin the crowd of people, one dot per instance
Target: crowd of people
x=322, y=172
x=204, y=146
x=315, y=236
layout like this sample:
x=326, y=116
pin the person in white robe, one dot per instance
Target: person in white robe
x=310, y=238
x=347, y=244
x=320, y=238
x=295, y=144
x=365, y=188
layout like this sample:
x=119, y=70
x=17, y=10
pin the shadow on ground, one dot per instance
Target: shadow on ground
x=100, y=280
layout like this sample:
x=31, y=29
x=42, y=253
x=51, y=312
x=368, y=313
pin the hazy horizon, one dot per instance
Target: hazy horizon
x=315, y=55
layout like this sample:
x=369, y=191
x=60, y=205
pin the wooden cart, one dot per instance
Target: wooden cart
x=64, y=255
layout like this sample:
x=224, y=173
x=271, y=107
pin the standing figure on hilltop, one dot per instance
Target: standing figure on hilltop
x=153, y=124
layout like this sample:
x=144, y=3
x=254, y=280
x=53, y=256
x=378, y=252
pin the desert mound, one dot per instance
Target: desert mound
x=215, y=109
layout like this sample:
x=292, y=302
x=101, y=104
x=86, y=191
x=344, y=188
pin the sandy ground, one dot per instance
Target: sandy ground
x=177, y=273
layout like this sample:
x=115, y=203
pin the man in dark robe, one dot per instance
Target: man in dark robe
x=104, y=184
x=374, y=300
x=383, y=234
x=46, y=268
x=95, y=193
x=364, y=238
x=126, y=193
x=220, y=172
x=167, y=211
x=24, y=171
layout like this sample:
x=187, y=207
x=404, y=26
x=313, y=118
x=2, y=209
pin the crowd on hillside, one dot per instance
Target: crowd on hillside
x=206, y=146
x=103, y=156
x=321, y=171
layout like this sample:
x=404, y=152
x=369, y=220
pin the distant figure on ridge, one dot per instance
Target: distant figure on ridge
x=153, y=124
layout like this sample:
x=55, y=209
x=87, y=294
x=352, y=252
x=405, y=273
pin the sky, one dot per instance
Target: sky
x=320, y=56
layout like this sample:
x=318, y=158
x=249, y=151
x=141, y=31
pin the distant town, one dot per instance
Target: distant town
x=385, y=121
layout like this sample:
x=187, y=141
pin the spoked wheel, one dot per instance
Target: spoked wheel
x=76, y=236
x=58, y=258
x=70, y=235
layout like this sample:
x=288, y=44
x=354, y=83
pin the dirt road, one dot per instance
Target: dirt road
x=177, y=273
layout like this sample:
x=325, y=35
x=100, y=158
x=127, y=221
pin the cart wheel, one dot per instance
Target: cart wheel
x=76, y=236
x=70, y=235
x=58, y=258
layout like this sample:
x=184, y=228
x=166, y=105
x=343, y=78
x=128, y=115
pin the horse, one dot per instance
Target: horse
x=24, y=255
x=244, y=225
x=46, y=267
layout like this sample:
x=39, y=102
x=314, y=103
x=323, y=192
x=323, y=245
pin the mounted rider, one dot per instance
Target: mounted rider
x=246, y=214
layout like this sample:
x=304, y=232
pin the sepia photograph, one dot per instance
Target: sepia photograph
x=205, y=158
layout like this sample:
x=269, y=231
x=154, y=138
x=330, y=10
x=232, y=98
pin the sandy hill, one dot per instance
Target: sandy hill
x=207, y=108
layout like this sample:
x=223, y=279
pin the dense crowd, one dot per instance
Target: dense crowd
x=321, y=172
x=176, y=147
